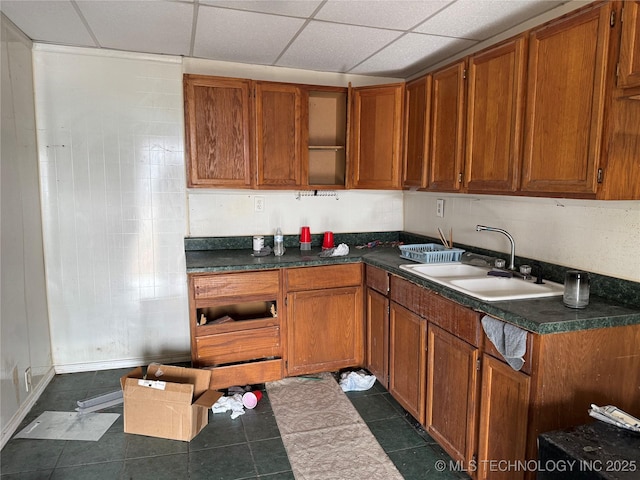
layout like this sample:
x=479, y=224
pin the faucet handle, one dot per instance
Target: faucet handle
x=538, y=267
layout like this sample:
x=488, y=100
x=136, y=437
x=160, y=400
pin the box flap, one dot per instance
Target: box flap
x=148, y=390
x=197, y=377
x=137, y=373
x=208, y=398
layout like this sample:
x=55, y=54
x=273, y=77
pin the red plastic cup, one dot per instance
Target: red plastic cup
x=251, y=399
x=327, y=242
x=305, y=235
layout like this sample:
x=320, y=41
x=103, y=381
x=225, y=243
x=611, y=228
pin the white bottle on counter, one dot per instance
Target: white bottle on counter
x=278, y=243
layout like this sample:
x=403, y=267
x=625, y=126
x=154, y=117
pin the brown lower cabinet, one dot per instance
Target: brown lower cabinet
x=452, y=381
x=481, y=411
x=407, y=359
x=504, y=409
x=430, y=352
x=324, y=318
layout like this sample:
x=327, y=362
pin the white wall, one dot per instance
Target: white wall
x=597, y=236
x=110, y=133
x=24, y=319
x=232, y=212
x=116, y=209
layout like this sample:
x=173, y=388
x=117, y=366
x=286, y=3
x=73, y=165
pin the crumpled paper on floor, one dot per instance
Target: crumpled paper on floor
x=356, y=381
x=233, y=403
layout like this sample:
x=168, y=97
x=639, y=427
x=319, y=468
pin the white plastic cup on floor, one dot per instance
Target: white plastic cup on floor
x=251, y=399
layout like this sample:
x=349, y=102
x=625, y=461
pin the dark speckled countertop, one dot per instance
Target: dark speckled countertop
x=544, y=316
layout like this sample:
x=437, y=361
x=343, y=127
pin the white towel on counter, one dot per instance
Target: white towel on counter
x=509, y=340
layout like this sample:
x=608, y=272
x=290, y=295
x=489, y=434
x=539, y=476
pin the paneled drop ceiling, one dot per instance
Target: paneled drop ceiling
x=392, y=38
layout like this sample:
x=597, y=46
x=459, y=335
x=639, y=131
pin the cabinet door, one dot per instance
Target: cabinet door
x=494, y=118
x=629, y=74
x=565, y=103
x=452, y=382
x=377, y=131
x=325, y=330
x=447, y=128
x=407, y=359
x=217, y=132
x=417, y=108
x=377, y=354
x=504, y=411
x=278, y=134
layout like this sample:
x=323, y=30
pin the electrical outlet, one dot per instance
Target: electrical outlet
x=27, y=379
x=440, y=207
x=258, y=204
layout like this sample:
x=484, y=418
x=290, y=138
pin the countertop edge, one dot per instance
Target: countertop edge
x=389, y=261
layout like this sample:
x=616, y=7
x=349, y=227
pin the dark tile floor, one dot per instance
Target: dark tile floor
x=248, y=447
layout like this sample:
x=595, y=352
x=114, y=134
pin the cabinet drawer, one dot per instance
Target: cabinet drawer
x=238, y=346
x=410, y=295
x=377, y=279
x=456, y=319
x=225, y=286
x=328, y=276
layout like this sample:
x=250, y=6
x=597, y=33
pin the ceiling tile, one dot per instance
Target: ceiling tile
x=411, y=53
x=293, y=8
x=334, y=47
x=48, y=21
x=142, y=26
x=263, y=37
x=481, y=19
x=396, y=14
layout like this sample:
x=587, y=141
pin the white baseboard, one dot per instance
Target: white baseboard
x=126, y=363
x=13, y=424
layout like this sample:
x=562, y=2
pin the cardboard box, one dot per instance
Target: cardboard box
x=172, y=402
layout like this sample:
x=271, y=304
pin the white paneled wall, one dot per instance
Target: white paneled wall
x=26, y=344
x=110, y=135
x=598, y=236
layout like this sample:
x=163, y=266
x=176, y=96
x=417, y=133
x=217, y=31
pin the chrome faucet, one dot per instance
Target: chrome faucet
x=512, y=265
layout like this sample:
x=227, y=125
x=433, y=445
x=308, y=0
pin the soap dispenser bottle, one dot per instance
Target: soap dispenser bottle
x=278, y=243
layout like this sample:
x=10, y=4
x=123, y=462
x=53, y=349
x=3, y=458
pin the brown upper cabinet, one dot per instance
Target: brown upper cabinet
x=242, y=133
x=218, y=139
x=566, y=98
x=629, y=68
x=325, y=113
x=278, y=128
x=447, y=128
x=376, y=152
x=417, y=110
x=494, y=118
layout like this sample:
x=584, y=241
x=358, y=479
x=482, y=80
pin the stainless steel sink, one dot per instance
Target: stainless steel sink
x=475, y=282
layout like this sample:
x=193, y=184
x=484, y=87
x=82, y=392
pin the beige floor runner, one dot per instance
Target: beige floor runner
x=325, y=437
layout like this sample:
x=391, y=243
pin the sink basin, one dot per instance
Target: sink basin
x=498, y=288
x=446, y=269
x=475, y=282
